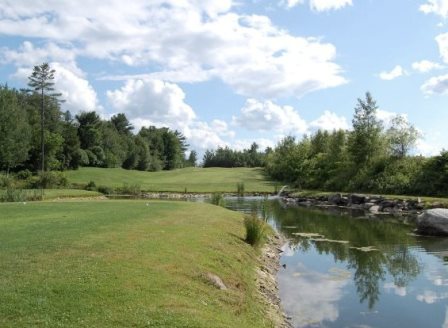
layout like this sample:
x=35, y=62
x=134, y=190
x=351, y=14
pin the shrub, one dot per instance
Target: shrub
x=256, y=230
x=91, y=186
x=133, y=189
x=105, y=190
x=13, y=195
x=24, y=175
x=6, y=181
x=217, y=199
x=240, y=189
x=52, y=180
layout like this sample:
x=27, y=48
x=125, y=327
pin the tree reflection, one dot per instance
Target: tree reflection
x=389, y=237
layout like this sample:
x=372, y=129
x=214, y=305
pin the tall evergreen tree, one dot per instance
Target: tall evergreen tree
x=41, y=81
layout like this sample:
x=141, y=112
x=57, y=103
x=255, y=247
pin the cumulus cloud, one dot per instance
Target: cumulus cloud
x=247, y=52
x=78, y=93
x=330, y=121
x=425, y=66
x=442, y=41
x=157, y=102
x=436, y=85
x=397, y=290
x=267, y=116
x=396, y=72
x=438, y=7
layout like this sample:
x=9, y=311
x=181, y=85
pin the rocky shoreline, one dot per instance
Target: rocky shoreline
x=371, y=204
x=267, y=280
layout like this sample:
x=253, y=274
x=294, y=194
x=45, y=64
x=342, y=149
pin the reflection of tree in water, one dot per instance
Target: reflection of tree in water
x=390, y=238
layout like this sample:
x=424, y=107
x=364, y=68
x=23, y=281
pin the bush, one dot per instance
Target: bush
x=217, y=199
x=105, y=190
x=6, y=181
x=91, y=186
x=13, y=195
x=256, y=230
x=48, y=180
x=240, y=189
x=24, y=175
x=133, y=189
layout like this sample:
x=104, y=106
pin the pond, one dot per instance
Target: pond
x=346, y=271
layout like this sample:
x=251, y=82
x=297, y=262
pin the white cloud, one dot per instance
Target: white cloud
x=438, y=7
x=262, y=143
x=187, y=40
x=400, y=291
x=312, y=297
x=442, y=41
x=386, y=116
x=77, y=92
x=425, y=66
x=319, y=5
x=396, y=72
x=330, y=121
x=324, y=5
x=159, y=103
x=431, y=297
x=436, y=85
x=268, y=116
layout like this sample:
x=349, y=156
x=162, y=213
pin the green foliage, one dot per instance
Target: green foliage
x=240, y=189
x=217, y=198
x=48, y=180
x=256, y=230
x=226, y=157
x=402, y=136
x=13, y=195
x=105, y=190
x=15, y=131
x=131, y=189
x=91, y=186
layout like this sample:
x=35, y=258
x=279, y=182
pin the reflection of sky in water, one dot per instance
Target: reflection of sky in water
x=319, y=291
x=310, y=296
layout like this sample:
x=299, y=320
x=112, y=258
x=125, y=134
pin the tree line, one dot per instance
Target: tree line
x=35, y=134
x=368, y=158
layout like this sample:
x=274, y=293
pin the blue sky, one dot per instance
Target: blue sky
x=232, y=72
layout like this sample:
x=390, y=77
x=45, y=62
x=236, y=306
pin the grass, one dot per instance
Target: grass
x=256, y=230
x=125, y=264
x=196, y=180
x=50, y=194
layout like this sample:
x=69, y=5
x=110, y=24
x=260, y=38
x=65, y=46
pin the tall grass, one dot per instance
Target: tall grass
x=240, y=189
x=19, y=195
x=217, y=199
x=256, y=230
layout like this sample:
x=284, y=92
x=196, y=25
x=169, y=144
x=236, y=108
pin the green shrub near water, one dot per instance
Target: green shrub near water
x=256, y=230
x=240, y=189
x=131, y=189
x=217, y=199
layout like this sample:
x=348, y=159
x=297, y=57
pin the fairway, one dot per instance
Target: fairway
x=125, y=264
x=196, y=180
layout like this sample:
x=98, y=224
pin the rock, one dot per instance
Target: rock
x=367, y=206
x=335, y=199
x=215, y=281
x=387, y=204
x=357, y=199
x=374, y=209
x=433, y=222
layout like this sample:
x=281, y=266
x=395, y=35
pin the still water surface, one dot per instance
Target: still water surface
x=345, y=271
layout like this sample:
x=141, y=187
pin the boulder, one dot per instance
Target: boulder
x=335, y=199
x=357, y=199
x=433, y=222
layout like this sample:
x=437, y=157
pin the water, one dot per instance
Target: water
x=356, y=272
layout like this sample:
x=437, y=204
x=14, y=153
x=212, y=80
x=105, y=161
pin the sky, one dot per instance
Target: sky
x=233, y=72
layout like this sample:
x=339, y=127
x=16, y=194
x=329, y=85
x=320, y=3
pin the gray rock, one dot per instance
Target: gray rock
x=335, y=199
x=357, y=199
x=374, y=209
x=215, y=281
x=433, y=222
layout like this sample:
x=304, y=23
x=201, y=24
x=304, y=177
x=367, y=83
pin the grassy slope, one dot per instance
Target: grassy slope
x=124, y=264
x=194, y=179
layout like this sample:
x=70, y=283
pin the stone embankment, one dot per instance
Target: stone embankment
x=372, y=204
x=267, y=281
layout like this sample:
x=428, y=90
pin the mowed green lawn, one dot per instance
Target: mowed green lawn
x=193, y=179
x=125, y=264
